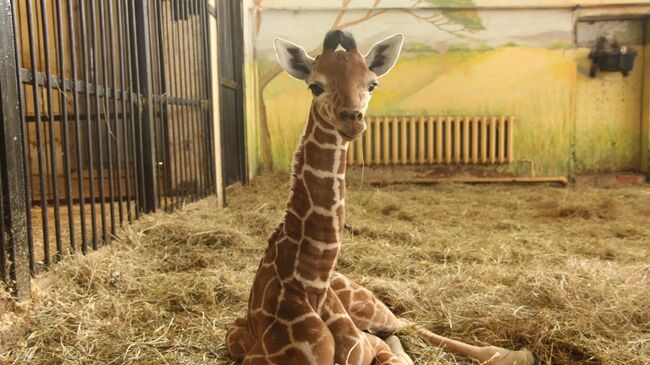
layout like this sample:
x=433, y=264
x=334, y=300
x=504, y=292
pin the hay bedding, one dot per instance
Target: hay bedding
x=561, y=271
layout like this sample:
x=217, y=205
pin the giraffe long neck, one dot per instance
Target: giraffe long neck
x=315, y=212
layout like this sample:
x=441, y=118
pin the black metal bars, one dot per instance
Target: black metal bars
x=111, y=107
x=13, y=225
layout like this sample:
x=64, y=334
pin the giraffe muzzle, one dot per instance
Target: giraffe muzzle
x=350, y=115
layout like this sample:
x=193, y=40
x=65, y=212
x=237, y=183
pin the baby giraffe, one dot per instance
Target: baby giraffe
x=300, y=311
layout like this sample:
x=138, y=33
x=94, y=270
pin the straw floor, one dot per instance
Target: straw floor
x=561, y=271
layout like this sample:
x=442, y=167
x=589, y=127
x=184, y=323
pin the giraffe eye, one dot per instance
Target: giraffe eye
x=372, y=87
x=316, y=89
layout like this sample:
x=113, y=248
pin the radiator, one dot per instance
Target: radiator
x=430, y=140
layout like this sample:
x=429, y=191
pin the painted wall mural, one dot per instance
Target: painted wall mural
x=472, y=61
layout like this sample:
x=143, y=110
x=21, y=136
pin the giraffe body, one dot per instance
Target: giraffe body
x=300, y=311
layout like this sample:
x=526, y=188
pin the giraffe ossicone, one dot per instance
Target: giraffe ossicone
x=300, y=310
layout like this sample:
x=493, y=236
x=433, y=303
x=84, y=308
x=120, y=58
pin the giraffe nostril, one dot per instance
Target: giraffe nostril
x=350, y=115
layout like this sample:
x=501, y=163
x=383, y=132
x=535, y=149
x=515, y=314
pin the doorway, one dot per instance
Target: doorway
x=231, y=60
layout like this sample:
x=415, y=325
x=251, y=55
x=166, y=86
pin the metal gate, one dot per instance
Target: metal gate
x=231, y=60
x=106, y=115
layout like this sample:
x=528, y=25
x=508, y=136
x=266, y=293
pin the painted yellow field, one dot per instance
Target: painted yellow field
x=534, y=85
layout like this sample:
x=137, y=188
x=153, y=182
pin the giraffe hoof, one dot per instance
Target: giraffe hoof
x=396, y=348
x=507, y=357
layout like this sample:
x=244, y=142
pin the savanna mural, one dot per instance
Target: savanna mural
x=459, y=58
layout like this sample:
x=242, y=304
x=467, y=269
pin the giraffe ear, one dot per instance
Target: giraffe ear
x=383, y=55
x=293, y=58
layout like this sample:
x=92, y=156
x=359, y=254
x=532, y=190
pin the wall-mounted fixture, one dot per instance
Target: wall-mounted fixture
x=611, y=57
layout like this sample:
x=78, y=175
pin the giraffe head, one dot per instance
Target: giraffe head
x=341, y=80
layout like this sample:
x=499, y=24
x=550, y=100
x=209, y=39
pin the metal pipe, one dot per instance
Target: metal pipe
x=162, y=105
x=100, y=144
x=107, y=116
x=170, y=91
x=115, y=127
x=130, y=58
x=186, y=92
x=89, y=137
x=39, y=138
x=64, y=132
x=78, y=138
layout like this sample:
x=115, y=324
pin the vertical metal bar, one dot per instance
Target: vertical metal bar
x=132, y=80
x=502, y=139
x=511, y=132
x=171, y=91
x=368, y=143
x=198, y=110
x=125, y=135
x=162, y=104
x=466, y=124
x=430, y=125
x=493, y=139
x=115, y=126
x=208, y=94
x=484, y=139
x=14, y=202
x=50, y=126
x=25, y=143
x=107, y=116
x=403, y=140
x=457, y=122
x=377, y=141
x=78, y=127
x=198, y=151
x=142, y=37
x=474, y=126
x=187, y=95
x=395, y=138
x=4, y=270
x=439, y=140
x=89, y=136
x=421, y=136
x=100, y=142
x=156, y=104
x=386, y=141
x=179, y=94
x=449, y=123
x=64, y=128
x=204, y=95
x=412, y=140
x=39, y=134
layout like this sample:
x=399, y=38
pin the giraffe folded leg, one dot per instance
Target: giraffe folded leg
x=385, y=354
x=238, y=340
x=396, y=347
x=369, y=314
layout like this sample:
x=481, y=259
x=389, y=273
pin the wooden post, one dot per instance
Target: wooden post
x=13, y=184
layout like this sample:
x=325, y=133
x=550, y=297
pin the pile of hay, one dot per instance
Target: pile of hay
x=563, y=272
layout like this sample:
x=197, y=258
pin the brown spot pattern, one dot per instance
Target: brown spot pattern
x=320, y=189
x=319, y=227
x=319, y=158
